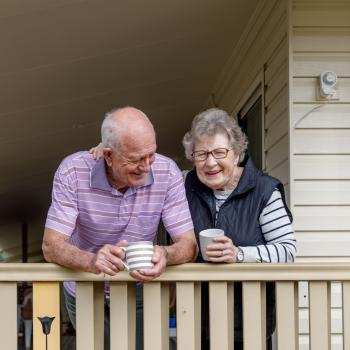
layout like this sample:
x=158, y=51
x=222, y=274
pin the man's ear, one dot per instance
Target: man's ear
x=107, y=154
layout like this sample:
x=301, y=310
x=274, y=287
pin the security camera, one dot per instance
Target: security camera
x=328, y=80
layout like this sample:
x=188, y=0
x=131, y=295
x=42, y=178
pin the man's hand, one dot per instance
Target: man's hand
x=160, y=259
x=108, y=259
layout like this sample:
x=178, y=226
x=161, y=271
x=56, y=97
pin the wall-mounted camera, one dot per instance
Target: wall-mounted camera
x=328, y=81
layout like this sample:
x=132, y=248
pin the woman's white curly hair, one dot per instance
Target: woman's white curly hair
x=211, y=122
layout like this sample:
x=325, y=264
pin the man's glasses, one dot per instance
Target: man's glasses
x=217, y=153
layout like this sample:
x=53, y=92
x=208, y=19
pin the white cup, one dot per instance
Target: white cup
x=206, y=238
x=138, y=255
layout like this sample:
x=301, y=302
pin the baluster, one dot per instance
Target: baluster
x=156, y=316
x=123, y=315
x=287, y=315
x=90, y=315
x=46, y=302
x=254, y=315
x=221, y=315
x=319, y=292
x=188, y=317
x=8, y=319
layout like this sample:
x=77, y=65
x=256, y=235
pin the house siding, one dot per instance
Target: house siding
x=320, y=144
x=320, y=141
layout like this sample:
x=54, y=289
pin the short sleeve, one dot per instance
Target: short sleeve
x=63, y=212
x=176, y=215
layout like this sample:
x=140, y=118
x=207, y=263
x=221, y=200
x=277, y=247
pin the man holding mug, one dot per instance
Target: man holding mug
x=99, y=206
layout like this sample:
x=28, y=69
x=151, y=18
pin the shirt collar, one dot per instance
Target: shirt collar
x=99, y=180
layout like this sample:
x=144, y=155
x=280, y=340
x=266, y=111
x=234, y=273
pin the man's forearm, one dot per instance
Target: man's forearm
x=56, y=249
x=73, y=258
x=182, y=251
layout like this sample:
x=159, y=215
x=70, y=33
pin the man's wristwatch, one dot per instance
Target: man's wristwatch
x=240, y=255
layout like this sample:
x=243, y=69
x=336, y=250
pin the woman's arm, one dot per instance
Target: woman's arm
x=278, y=232
x=97, y=151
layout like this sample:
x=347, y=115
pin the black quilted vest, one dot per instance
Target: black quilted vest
x=239, y=218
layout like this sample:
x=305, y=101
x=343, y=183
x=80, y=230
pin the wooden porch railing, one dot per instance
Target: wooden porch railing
x=90, y=305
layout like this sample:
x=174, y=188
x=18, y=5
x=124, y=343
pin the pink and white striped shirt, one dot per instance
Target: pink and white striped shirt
x=86, y=208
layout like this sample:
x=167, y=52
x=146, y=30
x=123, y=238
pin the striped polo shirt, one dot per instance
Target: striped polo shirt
x=92, y=213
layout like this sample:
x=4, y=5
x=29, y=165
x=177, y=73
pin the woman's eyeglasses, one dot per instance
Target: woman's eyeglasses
x=217, y=153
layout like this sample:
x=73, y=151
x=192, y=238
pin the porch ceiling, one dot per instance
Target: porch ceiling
x=64, y=63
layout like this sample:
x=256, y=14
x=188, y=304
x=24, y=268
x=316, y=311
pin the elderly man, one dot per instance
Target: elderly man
x=99, y=206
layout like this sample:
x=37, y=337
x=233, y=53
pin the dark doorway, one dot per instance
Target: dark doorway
x=251, y=122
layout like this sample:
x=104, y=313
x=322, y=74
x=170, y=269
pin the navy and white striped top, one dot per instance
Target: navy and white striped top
x=276, y=227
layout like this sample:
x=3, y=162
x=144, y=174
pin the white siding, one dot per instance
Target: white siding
x=320, y=144
x=320, y=138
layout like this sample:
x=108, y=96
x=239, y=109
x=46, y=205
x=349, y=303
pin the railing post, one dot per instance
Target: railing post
x=46, y=302
x=8, y=319
x=221, y=315
x=122, y=315
x=188, y=315
x=286, y=315
x=319, y=293
x=90, y=315
x=156, y=316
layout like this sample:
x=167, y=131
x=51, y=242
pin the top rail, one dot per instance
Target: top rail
x=331, y=271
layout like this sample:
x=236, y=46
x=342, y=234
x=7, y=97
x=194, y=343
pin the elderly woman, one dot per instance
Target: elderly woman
x=225, y=190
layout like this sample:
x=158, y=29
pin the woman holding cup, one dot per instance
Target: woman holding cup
x=226, y=191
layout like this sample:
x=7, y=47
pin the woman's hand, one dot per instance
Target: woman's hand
x=222, y=251
x=97, y=151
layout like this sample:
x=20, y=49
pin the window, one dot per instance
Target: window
x=250, y=119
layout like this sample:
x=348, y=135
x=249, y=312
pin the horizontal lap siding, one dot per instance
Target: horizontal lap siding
x=321, y=167
x=322, y=218
x=322, y=141
x=321, y=39
x=329, y=244
x=320, y=144
x=277, y=130
x=320, y=133
x=310, y=64
x=276, y=109
x=322, y=192
x=276, y=121
x=277, y=154
x=329, y=116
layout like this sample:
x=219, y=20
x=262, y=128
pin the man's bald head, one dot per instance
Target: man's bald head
x=124, y=124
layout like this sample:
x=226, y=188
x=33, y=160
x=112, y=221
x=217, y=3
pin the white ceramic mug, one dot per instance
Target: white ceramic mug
x=206, y=238
x=138, y=255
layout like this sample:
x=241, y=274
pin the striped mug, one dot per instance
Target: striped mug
x=138, y=255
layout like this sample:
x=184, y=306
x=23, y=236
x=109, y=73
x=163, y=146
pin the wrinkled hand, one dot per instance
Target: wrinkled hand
x=222, y=251
x=108, y=259
x=159, y=259
x=97, y=151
